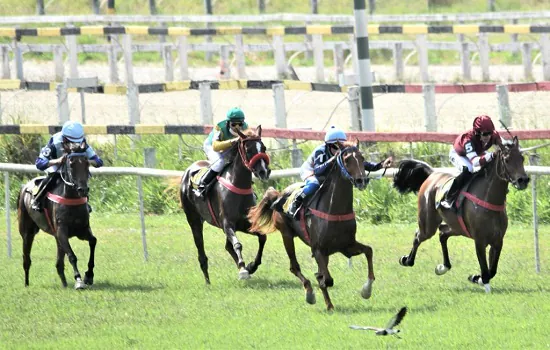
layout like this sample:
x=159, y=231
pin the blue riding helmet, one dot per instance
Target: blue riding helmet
x=73, y=131
x=334, y=135
x=235, y=114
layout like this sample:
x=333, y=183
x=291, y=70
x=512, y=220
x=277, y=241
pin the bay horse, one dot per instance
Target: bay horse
x=328, y=225
x=227, y=201
x=479, y=212
x=64, y=215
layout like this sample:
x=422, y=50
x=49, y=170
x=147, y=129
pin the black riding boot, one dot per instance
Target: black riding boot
x=36, y=203
x=206, y=180
x=296, y=204
x=453, y=192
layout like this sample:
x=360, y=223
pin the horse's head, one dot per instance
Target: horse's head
x=75, y=168
x=510, y=164
x=252, y=153
x=351, y=163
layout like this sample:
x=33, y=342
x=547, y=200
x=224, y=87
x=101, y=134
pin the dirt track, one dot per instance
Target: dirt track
x=393, y=112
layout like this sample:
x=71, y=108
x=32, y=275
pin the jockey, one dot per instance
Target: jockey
x=222, y=137
x=470, y=150
x=320, y=160
x=53, y=155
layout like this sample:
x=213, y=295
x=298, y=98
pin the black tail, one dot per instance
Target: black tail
x=411, y=175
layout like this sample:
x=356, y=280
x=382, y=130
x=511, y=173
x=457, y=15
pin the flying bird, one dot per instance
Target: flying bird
x=388, y=330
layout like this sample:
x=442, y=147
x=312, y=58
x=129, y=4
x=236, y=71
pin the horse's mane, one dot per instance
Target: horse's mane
x=249, y=133
x=348, y=144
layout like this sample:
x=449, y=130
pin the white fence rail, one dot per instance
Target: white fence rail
x=7, y=168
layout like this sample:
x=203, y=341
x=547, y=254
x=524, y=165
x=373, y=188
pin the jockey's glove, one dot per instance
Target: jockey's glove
x=488, y=156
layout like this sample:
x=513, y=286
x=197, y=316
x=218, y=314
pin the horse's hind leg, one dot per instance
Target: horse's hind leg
x=89, y=275
x=356, y=249
x=27, y=229
x=444, y=234
x=323, y=277
x=253, y=266
x=427, y=227
x=288, y=241
x=482, y=259
x=60, y=264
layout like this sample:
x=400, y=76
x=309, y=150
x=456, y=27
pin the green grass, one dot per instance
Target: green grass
x=164, y=303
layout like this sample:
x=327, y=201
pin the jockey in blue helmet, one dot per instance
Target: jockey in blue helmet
x=220, y=140
x=53, y=154
x=320, y=160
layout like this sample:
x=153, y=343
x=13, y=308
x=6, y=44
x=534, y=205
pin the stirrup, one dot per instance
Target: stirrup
x=446, y=204
x=36, y=206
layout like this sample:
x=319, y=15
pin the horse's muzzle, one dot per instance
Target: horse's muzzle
x=263, y=174
x=82, y=191
x=361, y=183
x=522, y=182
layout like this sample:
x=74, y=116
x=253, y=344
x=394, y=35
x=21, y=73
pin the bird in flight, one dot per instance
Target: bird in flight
x=388, y=330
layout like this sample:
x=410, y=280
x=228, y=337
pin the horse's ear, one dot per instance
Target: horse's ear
x=259, y=131
x=241, y=135
x=516, y=141
x=357, y=143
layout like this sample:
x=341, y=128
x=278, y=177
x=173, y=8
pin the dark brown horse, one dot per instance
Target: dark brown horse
x=227, y=202
x=481, y=207
x=65, y=215
x=327, y=226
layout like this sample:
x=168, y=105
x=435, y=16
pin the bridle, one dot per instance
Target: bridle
x=65, y=169
x=502, y=171
x=340, y=162
x=249, y=163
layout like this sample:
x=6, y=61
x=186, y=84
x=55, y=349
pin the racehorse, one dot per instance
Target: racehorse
x=479, y=213
x=65, y=215
x=226, y=203
x=327, y=226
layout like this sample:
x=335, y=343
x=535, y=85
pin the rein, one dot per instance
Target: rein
x=69, y=183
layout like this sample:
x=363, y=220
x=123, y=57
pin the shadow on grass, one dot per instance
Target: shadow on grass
x=475, y=289
x=265, y=284
x=125, y=287
x=391, y=310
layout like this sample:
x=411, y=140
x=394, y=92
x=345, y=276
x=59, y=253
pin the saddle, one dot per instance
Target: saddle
x=197, y=176
x=442, y=191
x=33, y=190
x=282, y=205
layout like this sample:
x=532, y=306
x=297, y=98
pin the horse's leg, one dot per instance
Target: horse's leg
x=89, y=275
x=323, y=277
x=494, y=255
x=27, y=229
x=60, y=264
x=63, y=239
x=196, y=223
x=356, y=249
x=482, y=280
x=428, y=222
x=444, y=234
x=237, y=247
x=253, y=266
x=288, y=241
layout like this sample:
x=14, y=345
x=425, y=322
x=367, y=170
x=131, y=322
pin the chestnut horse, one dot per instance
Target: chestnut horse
x=227, y=201
x=328, y=224
x=480, y=211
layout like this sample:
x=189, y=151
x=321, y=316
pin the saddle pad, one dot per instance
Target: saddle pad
x=33, y=189
x=291, y=194
x=196, y=178
x=442, y=191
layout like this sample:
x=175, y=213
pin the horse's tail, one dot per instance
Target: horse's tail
x=411, y=175
x=262, y=217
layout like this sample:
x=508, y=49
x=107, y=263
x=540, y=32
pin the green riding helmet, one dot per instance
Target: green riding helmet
x=235, y=114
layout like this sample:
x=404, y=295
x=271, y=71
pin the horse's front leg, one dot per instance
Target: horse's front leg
x=63, y=239
x=323, y=277
x=232, y=239
x=494, y=255
x=356, y=249
x=253, y=266
x=60, y=263
x=482, y=280
x=89, y=275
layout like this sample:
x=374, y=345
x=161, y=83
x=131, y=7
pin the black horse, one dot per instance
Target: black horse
x=327, y=226
x=65, y=215
x=227, y=202
x=481, y=207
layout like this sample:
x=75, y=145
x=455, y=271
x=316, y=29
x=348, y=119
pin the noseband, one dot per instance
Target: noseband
x=249, y=164
x=65, y=169
x=502, y=170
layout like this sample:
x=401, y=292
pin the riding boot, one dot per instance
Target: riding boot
x=36, y=203
x=206, y=180
x=296, y=204
x=453, y=192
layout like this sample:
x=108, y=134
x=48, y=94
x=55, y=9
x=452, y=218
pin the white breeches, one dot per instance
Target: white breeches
x=460, y=161
x=216, y=159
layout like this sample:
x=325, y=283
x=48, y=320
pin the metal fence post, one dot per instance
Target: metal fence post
x=354, y=108
x=280, y=110
x=206, y=103
x=503, y=104
x=428, y=91
x=62, y=102
x=297, y=155
x=142, y=218
x=533, y=160
x=7, y=208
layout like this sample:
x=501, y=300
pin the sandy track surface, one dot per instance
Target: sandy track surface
x=393, y=112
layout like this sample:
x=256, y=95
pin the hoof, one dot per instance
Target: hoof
x=243, y=274
x=310, y=297
x=366, y=291
x=487, y=288
x=88, y=280
x=441, y=269
x=80, y=285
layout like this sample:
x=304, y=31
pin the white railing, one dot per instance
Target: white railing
x=7, y=168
